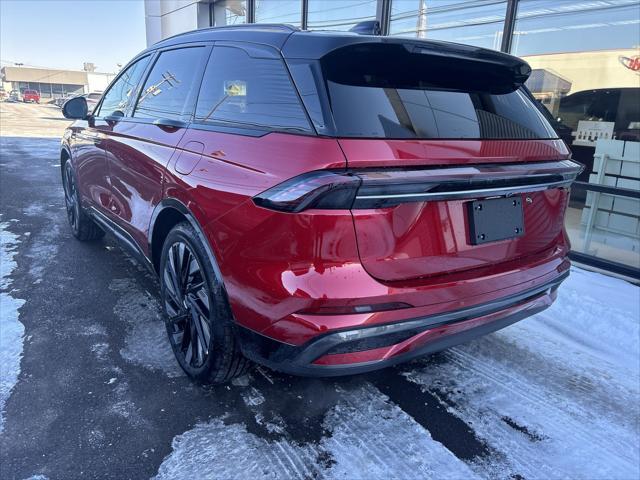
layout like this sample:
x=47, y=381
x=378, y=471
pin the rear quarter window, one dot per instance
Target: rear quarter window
x=238, y=89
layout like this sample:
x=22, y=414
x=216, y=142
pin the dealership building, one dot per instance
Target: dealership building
x=52, y=83
x=585, y=57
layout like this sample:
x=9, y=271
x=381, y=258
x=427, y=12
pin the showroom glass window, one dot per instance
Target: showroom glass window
x=171, y=85
x=241, y=90
x=585, y=58
x=279, y=11
x=479, y=22
x=120, y=95
x=229, y=12
x=339, y=15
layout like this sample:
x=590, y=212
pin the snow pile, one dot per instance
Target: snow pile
x=11, y=330
x=596, y=317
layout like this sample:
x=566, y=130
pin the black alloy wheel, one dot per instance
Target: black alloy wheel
x=71, y=198
x=188, y=307
x=82, y=225
x=198, y=317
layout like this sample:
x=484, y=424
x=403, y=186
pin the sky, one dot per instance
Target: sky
x=64, y=34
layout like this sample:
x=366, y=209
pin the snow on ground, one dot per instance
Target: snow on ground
x=557, y=393
x=361, y=442
x=554, y=396
x=146, y=343
x=11, y=330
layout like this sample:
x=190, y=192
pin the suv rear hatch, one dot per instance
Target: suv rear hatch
x=468, y=205
x=457, y=166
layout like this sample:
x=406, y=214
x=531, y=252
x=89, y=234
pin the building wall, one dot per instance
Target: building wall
x=98, y=82
x=44, y=75
x=170, y=17
x=52, y=83
x=589, y=70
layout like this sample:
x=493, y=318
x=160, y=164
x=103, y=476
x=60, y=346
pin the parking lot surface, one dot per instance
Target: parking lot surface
x=89, y=387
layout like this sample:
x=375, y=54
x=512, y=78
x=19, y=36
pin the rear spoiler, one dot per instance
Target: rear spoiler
x=445, y=65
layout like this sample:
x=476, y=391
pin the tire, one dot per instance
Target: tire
x=197, y=314
x=82, y=226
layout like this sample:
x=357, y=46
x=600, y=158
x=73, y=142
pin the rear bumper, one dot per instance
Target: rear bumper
x=363, y=349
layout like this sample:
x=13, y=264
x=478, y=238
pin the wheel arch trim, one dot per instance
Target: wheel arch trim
x=65, y=150
x=175, y=204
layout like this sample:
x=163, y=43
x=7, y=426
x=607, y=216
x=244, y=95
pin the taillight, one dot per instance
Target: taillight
x=321, y=189
x=384, y=188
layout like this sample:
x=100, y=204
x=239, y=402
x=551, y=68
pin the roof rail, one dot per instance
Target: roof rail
x=243, y=26
x=258, y=26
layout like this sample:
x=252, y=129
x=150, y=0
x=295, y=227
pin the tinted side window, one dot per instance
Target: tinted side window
x=240, y=89
x=170, y=86
x=120, y=95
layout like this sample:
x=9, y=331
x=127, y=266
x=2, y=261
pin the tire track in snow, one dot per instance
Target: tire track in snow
x=574, y=422
x=437, y=417
x=489, y=467
x=366, y=436
x=482, y=389
x=402, y=447
x=427, y=410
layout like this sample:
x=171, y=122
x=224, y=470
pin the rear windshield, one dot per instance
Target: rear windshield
x=392, y=94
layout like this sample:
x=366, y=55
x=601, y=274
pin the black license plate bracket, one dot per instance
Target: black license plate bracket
x=495, y=219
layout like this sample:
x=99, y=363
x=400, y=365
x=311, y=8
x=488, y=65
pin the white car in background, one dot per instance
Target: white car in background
x=14, y=96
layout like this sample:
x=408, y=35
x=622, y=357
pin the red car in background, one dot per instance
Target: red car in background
x=29, y=96
x=324, y=203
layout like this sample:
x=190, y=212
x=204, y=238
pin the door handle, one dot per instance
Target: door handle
x=169, y=122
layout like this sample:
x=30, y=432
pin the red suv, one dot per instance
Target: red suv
x=31, y=96
x=324, y=203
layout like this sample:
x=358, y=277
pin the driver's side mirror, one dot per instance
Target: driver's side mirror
x=75, y=108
